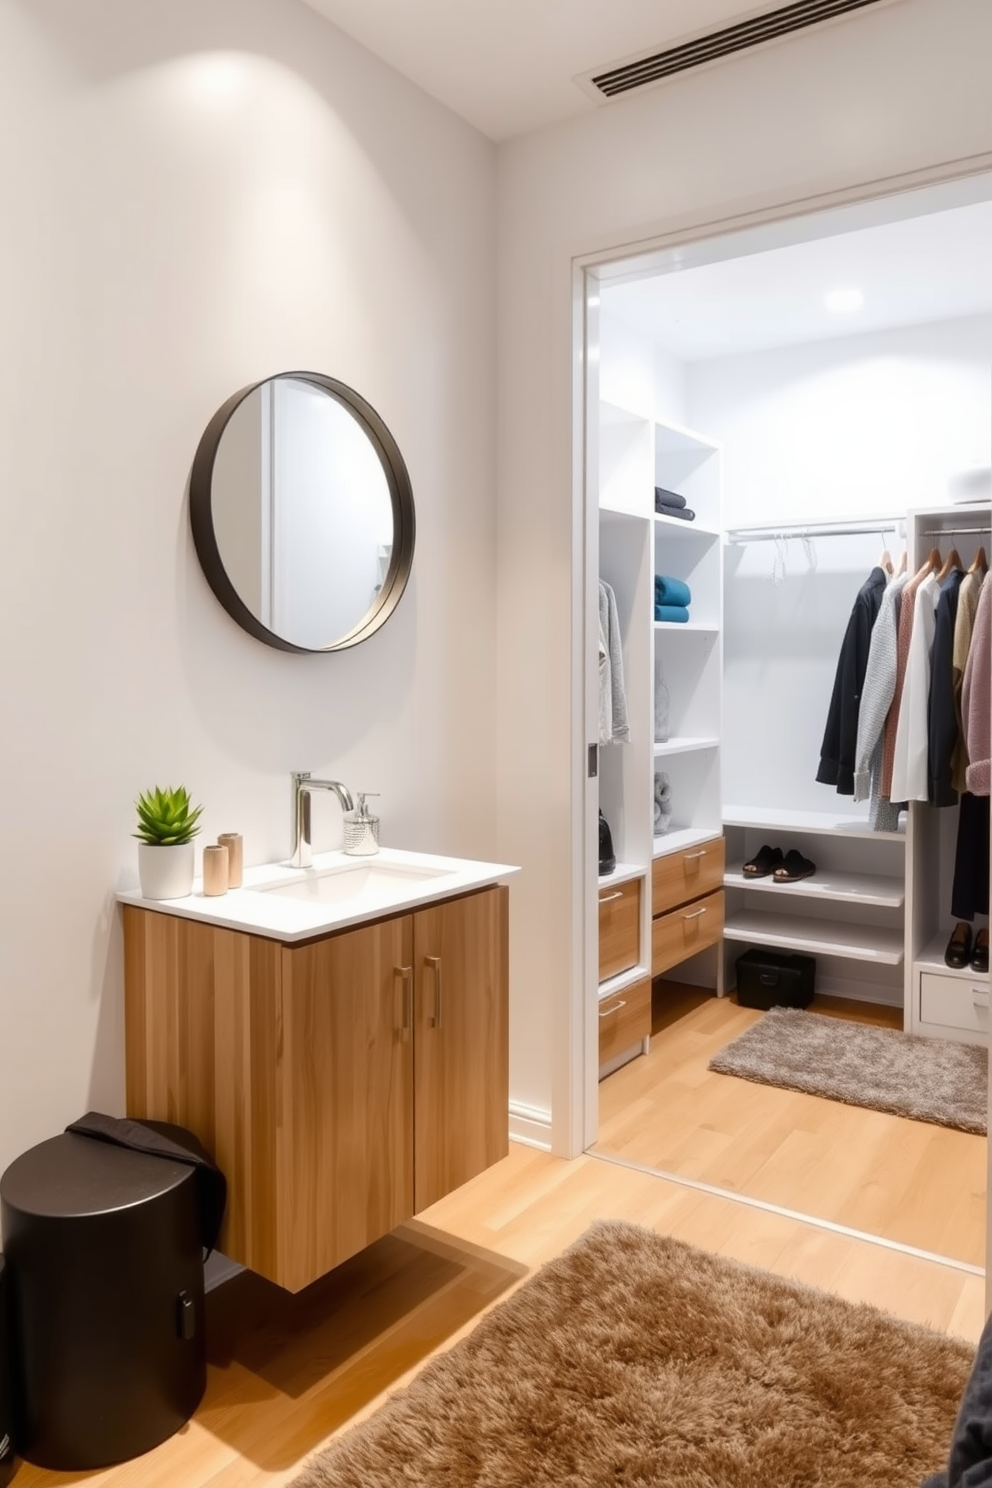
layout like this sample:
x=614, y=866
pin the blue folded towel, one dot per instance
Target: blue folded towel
x=671, y=614
x=671, y=591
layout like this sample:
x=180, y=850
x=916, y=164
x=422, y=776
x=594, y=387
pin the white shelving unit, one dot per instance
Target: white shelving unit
x=812, y=937
x=834, y=887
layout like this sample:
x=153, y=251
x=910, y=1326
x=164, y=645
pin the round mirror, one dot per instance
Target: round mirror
x=302, y=513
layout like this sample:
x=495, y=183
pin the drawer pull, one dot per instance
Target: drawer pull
x=614, y=1009
x=695, y=915
x=405, y=973
x=434, y=962
x=980, y=997
x=689, y=857
x=605, y=898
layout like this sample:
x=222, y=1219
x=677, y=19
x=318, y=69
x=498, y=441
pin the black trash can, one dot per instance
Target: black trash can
x=105, y=1290
x=6, y=1401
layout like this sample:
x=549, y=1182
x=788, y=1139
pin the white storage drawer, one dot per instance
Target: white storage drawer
x=955, y=1002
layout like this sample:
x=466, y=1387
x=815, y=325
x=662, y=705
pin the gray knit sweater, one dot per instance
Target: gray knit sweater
x=876, y=700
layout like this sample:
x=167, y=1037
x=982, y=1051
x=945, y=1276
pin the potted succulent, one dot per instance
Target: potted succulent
x=167, y=825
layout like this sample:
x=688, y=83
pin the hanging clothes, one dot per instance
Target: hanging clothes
x=942, y=724
x=976, y=702
x=970, y=886
x=876, y=700
x=909, y=765
x=964, y=625
x=840, y=738
x=907, y=609
x=613, y=725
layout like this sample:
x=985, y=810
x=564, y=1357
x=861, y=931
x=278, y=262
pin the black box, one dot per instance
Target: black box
x=768, y=979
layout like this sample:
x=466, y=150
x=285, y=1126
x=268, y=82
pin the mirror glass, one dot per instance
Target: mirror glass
x=302, y=513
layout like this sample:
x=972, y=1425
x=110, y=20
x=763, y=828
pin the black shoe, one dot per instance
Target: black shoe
x=958, y=952
x=763, y=862
x=980, y=951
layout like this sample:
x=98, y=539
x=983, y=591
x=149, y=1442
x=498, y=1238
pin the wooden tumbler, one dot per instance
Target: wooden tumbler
x=214, y=870
x=234, y=842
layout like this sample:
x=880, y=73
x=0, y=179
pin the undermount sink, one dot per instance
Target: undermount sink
x=368, y=883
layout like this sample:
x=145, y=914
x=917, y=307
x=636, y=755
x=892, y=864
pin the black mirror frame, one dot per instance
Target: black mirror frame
x=400, y=495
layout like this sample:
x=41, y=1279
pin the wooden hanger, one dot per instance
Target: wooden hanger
x=980, y=564
x=932, y=564
x=886, y=561
x=952, y=561
x=903, y=561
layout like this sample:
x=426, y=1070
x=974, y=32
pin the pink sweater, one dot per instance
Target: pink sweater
x=976, y=695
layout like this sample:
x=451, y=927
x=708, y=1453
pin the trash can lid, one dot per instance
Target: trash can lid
x=70, y=1176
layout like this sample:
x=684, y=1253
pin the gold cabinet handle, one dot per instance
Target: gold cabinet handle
x=689, y=857
x=605, y=898
x=695, y=915
x=405, y=974
x=434, y=962
x=614, y=1009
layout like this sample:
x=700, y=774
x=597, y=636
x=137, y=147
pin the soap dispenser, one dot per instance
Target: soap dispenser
x=361, y=829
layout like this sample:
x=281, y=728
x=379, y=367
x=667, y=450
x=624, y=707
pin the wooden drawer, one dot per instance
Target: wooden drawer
x=681, y=876
x=955, y=1002
x=676, y=936
x=624, y=1019
x=619, y=927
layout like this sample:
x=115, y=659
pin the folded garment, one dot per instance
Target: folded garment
x=662, y=802
x=671, y=614
x=668, y=498
x=682, y=512
x=671, y=591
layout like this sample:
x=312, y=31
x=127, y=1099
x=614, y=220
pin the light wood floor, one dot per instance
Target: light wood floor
x=905, y=1180
x=287, y=1373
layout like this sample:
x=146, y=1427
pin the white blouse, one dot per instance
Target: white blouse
x=909, y=767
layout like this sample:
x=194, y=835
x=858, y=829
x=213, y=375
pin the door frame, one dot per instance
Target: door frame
x=576, y=1106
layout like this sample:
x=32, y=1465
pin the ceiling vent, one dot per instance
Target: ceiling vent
x=758, y=30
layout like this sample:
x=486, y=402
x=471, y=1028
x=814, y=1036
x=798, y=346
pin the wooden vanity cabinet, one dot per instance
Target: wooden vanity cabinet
x=343, y=1084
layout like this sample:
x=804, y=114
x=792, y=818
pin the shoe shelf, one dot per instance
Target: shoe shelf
x=777, y=820
x=811, y=936
x=931, y=958
x=683, y=745
x=826, y=886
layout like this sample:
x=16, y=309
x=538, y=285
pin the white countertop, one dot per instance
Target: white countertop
x=280, y=916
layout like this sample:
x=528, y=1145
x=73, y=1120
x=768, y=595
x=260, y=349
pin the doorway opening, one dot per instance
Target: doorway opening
x=778, y=420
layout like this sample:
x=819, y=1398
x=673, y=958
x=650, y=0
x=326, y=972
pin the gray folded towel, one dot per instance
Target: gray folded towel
x=662, y=803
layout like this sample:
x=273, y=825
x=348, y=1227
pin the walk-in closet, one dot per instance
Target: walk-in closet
x=789, y=493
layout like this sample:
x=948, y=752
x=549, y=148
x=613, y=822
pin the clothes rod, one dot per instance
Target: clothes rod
x=815, y=529
x=956, y=532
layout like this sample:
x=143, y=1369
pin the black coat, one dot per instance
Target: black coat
x=942, y=722
x=840, y=737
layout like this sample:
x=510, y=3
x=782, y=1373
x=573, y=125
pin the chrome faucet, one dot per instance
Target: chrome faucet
x=303, y=784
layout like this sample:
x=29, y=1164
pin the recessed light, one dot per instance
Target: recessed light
x=843, y=301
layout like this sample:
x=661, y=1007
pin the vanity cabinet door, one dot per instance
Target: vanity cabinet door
x=345, y=1137
x=461, y=1080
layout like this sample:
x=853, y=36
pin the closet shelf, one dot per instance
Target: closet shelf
x=682, y=838
x=691, y=625
x=931, y=958
x=826, y=885
x=622, y=980
x=817, y=937
x=672, y=526
x=684, y=745
x=622, y=873
x=775, y=819
x=676, y=439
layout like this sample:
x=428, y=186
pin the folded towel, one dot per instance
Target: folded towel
x=671, y=591
x=667, y=498
x=683, y=513
x=662, y=803
x=671, y=614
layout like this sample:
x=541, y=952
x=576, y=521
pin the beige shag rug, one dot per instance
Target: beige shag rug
x=636, y=1361
x=881, y=1068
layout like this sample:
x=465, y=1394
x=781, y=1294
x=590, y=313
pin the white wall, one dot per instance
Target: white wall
x=196, y=194
x=893, y=91
x=866, y=425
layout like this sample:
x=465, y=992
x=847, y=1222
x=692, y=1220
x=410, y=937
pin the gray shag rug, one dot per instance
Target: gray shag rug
x=881, y=1068
x=637, y=1361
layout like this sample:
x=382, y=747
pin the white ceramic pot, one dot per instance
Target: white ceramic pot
x=165, y=872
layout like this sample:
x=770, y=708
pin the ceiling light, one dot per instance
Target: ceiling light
x=843, y=301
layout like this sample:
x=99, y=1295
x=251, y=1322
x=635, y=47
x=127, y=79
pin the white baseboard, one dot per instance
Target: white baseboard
x=530, y=1125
